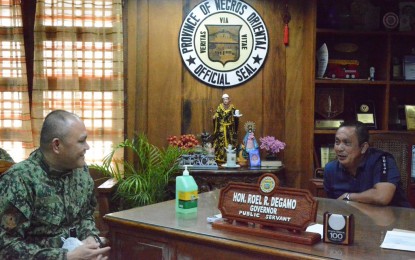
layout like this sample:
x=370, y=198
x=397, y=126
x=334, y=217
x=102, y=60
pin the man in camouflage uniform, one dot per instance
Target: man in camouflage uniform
x=48, y=194
x=4, y=155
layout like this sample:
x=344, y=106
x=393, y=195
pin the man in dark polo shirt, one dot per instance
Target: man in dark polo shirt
x=362, y=173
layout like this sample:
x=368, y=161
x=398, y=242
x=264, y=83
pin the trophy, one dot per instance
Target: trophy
x=329, y=104
x=322, y=60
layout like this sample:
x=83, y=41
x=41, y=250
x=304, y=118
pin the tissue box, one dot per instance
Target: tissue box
x=409, y=67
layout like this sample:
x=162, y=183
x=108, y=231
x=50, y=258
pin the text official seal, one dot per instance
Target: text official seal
x=223, y=42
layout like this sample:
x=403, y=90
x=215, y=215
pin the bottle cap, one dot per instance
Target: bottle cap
x=185, y=172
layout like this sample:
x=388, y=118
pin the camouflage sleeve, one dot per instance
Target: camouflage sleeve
x=14, y=225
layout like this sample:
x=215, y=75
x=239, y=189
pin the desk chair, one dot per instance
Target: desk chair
x=104, y=190
x=399, y=144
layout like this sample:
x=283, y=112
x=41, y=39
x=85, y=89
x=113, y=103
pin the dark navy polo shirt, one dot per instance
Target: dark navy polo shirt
x=377, y=166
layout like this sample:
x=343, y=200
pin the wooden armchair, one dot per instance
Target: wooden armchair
x=5, y=165
x=104, y=188
x=399, y=144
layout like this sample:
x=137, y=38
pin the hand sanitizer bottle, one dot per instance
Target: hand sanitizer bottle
x=186, y=193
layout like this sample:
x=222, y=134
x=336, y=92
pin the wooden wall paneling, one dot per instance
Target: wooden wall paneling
x=274, y=72
x=196, y=116
x=164, y=70
x=274, y=93
x=137, y=68
x=140, y=28
x=294, y=105
x=247, y=97
x=306, y=140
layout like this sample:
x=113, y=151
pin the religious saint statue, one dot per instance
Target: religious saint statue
x=225, y=123
x=249, y=141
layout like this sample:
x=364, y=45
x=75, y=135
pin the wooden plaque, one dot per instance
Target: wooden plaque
x=410, y=117
x=329, y=104
x=365, y=113
x=268, y=210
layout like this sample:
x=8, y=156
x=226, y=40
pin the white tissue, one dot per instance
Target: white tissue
x=71, y=243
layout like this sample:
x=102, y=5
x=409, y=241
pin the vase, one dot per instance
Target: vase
x=271, y=157
x=271, y=160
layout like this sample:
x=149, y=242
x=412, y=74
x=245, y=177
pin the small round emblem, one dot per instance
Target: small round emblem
x=390, y=20
x=364, y=108
x=267, y=184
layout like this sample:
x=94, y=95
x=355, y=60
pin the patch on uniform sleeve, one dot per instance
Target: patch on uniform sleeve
x=10, y=219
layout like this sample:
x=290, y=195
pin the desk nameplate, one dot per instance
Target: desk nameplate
x=280, y=213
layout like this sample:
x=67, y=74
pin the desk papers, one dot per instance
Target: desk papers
x=316, y=228
x=399, y=239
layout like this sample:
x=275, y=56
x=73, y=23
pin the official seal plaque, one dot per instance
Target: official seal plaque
x=265, y=209
x=223, y=43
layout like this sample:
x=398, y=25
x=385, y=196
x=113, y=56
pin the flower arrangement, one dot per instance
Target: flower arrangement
x=272, y=145
x=186, y=141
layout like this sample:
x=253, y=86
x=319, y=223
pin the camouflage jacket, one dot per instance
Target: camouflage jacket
x=39, y=206
x=4, y=155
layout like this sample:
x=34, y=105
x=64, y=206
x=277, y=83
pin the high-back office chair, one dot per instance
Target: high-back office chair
x=399, y=144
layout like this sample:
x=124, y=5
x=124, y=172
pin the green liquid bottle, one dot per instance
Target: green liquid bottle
x=186, y=193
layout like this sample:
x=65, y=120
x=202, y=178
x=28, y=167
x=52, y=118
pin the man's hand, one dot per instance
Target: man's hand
x=89, y=240
x=89, y=250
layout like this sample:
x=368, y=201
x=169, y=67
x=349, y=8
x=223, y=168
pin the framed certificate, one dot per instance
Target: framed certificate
x=410, y=117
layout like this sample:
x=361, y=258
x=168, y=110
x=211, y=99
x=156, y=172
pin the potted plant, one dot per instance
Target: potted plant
x=146, y=180
x=272, y=146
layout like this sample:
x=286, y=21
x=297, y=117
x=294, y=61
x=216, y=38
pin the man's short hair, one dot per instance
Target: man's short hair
x=55, y=126
x=361, y=130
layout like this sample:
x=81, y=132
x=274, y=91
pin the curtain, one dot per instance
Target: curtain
x=15, y=123
x=78, y=66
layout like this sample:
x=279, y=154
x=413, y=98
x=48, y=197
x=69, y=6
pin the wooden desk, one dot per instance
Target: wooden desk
x=208, y=179
x=155, y=232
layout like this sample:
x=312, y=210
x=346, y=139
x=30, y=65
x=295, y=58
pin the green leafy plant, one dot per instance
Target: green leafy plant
x=146, y=180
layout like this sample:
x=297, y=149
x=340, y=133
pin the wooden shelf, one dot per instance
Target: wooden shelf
x=355, y=33
x=377, y=49
x=352, y=82
x=406, y=83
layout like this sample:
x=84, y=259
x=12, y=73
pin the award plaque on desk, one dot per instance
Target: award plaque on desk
x=329, y=104
x=365, y=113
x=410, y=117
